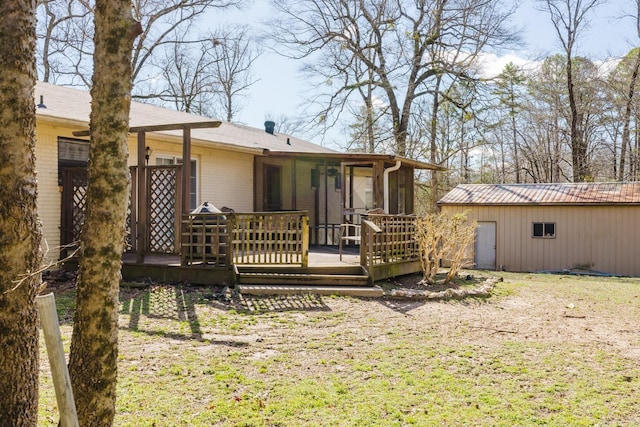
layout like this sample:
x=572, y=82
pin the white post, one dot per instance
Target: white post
x=60, y=373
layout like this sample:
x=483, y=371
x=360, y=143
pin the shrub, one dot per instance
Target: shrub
x=444, y=238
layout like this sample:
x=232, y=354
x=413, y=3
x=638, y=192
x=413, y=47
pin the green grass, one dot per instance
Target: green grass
x=349, y=362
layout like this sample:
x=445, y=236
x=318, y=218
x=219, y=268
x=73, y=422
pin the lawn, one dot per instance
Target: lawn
x=542, y=350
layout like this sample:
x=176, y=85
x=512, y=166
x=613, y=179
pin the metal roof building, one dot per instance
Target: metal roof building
x=553, y=227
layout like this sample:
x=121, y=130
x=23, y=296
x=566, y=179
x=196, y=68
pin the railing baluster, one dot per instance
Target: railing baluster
x=223, y=239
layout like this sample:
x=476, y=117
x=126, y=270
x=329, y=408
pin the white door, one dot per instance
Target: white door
x=485, y=256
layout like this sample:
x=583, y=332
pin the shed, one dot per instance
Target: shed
x=552, y=227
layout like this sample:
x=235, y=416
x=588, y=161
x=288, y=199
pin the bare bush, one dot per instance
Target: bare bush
x=444, y=238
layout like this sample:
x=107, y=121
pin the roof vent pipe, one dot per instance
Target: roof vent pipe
x=269, y=126
x=41, y=105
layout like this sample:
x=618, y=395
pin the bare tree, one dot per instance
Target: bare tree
x=187, y=83
x=66, y=33
x=94, y=343
x=60, y=23
x=391, y=38
x=634, y=58
x=208, y=76
x=623, y=102
x=370, y=131
x=569, y=18
x=509, y=90
x=20, y=233
x=232, y=56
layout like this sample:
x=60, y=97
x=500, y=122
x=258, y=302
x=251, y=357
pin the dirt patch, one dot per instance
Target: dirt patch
x=529, y=314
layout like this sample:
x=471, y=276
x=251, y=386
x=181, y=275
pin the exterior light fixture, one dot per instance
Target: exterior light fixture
x=147, y=154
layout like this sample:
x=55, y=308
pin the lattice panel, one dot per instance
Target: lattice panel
x=128, y=236
x=79, y=179
x=162, y=188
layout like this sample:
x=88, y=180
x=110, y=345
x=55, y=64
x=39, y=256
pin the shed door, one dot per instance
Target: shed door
x=485, y=254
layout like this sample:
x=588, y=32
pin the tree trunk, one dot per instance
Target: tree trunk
x=433, y=146
x=94, y=345
x=578, y=151
x=626, y=140
x=20, y=233
x=514, y=129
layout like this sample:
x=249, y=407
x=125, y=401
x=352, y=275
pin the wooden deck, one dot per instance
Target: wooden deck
x=326, y=274
x=320, y=256
x=263, y=253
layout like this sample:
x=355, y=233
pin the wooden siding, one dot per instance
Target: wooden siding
x=225, y=179
x=49, y=193
x=601, y=238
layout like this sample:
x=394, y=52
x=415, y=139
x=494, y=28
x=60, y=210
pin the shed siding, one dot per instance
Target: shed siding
x=602, y=238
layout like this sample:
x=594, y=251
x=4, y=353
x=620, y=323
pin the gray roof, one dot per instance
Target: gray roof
x=74, y=106
x=593, y=193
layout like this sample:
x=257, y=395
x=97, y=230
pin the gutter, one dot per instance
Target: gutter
x=386, y=183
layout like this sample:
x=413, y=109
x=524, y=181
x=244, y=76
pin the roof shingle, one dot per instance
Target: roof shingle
x=75, y=105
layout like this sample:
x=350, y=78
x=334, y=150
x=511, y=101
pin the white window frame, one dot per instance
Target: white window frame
x=177, y=160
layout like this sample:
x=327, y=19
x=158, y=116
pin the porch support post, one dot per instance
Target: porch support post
x=378, y=184
x=142, y=198
x=294, y=190
x=186, y=171
x=410, y=182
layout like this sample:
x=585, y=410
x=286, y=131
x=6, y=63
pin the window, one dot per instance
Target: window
x=545, y=230
x=193, y=181
x=72, y=153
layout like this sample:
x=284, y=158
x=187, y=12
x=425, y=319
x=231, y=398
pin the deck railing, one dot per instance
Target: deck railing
x=270, y=238
x=393, y=239
x=224, y=239
x=205, y=239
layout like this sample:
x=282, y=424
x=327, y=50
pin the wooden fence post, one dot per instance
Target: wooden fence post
x=59, y=372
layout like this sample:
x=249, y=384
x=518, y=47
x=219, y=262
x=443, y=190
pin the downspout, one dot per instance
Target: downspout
x=386, y=183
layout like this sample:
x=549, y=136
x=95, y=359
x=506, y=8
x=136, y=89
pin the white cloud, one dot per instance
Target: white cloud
x=491, y=64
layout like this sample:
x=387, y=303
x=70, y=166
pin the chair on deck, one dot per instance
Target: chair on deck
x=349, y=229
x=349, y=233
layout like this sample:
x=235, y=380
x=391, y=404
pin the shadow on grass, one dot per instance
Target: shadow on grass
x=162, y=302
x=277, y=303
x=177, y=303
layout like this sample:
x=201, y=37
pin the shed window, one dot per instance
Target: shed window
x=544, y=230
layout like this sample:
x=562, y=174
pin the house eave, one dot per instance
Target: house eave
x=356, y=157
x=540, y=204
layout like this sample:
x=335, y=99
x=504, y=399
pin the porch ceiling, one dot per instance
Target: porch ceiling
x=356, y=157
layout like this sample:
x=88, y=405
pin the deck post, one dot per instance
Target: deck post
x=378, y=184
x=305, y=241
x=186, y=169
x=142, y=198
x=59, y=372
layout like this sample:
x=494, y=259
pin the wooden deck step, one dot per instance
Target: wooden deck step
x=302, y=276
x=356, y=291
x=294, y=269
x=303, y=279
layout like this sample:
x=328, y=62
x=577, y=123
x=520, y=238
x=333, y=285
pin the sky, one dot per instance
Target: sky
x=280, y=89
